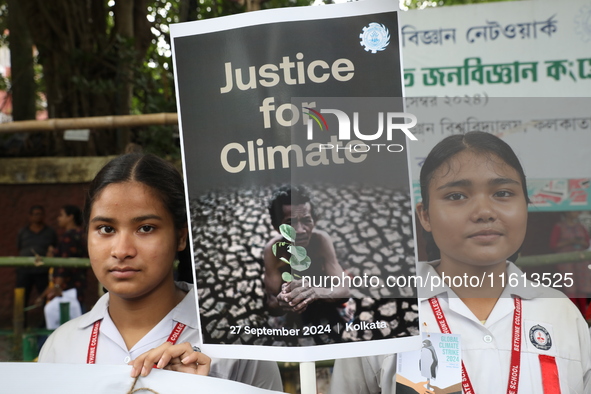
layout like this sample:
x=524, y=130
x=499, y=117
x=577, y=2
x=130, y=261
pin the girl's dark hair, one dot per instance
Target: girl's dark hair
x=161, y=176
x=474, y=141
x=75, y=212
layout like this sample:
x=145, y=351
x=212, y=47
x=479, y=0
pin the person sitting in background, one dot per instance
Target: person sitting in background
x=35, y=239
x=71, y=244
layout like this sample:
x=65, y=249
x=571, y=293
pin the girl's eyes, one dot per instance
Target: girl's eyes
x=105, y=230
x=146, y=229
x=460, y=196
x=503, y=193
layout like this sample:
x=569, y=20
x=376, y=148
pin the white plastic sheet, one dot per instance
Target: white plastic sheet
x=111, y=379
x=52, y=308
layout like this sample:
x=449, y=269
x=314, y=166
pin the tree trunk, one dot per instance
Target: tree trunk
x=124, y=30
x=88, y=65
x=23, y=88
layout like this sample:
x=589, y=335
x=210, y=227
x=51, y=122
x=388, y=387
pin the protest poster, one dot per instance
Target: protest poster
x=113, y=379
x=293, y=97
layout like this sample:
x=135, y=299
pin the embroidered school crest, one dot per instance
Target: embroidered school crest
x=540, y=337
x=375, y=37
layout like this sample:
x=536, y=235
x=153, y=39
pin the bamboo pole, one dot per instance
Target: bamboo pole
x=25, y=261
x=557, y=258
x=40, y=261
x=18, y=319
x=94, y=122
x=72, y=262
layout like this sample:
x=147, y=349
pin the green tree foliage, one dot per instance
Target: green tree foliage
x=154, y=83
x=420, y=4
x=106, y=57
x=113, y=57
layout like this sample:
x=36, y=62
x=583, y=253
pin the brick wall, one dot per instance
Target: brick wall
x=15, y=201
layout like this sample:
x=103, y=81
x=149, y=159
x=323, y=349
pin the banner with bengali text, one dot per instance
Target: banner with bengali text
x=464, y=59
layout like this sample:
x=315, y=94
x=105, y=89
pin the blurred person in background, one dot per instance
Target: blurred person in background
x=71, y=244
x=569, y=235
x=35, y=239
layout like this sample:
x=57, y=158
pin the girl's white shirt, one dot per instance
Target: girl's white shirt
x=69, y=343
x=486, y=348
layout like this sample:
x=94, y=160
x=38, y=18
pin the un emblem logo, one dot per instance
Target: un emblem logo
x=375, y=37
x=583, y=23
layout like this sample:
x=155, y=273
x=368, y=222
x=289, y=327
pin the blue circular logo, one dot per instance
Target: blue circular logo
x=375, y=37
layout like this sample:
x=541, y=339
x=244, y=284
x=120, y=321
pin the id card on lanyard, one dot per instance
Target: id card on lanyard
x=515, y=368
x=93, y=344
x=435, y=367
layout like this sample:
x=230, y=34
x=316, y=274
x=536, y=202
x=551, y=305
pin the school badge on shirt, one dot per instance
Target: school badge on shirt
x=540, y=337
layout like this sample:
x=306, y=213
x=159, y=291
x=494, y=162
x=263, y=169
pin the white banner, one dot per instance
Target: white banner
x=538, y=48
x=113, y=379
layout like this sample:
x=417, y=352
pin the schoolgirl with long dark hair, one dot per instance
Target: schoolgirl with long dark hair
x=135, y=214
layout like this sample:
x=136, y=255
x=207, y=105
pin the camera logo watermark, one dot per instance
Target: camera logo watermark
x=388, y=123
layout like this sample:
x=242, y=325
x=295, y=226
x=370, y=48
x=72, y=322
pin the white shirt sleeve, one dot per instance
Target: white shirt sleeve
x=262, y=374
x=364, y=375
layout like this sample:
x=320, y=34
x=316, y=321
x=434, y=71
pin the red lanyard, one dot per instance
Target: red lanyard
x=515, y=346
x=92, y=345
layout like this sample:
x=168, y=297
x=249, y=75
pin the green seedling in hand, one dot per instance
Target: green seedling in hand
x=299, y=259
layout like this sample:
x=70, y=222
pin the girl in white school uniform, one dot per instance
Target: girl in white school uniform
x=136, y=218
x=516, y=337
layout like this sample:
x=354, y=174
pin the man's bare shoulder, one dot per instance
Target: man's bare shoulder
x=321, y=236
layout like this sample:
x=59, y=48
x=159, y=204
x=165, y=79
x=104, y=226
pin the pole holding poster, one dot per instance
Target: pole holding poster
x=308, y=377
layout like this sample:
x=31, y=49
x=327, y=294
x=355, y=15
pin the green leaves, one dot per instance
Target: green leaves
x=299, y=252
x=299, y=259
x=300, y=265
x=278, y=245
x=286, y=276
x=288, y=232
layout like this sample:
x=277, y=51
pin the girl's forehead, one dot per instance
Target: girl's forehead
x=114, y=189
x=474, y=165
x=124, y=196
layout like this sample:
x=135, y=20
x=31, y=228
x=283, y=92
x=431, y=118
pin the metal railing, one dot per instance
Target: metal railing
x=38, y=261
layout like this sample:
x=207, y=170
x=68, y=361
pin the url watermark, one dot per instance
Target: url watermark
x=433, y=282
